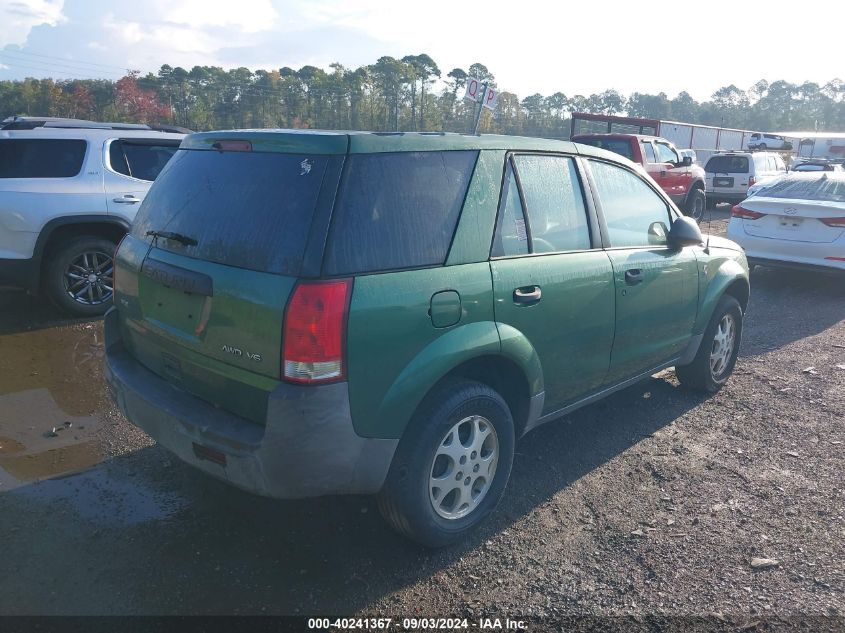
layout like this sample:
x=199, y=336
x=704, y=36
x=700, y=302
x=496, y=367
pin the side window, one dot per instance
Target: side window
x=146, y=160
x=635, y=215
x=648, y=150
x=397, y=210
x=511, y=237
x=557, y=217
x=117, y=159
x=666, y=153
x=41, y=158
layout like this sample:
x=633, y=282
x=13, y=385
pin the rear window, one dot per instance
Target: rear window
x=727, y=165
x=617, y=146
x=246, y=209
x=397, y=211
x=140, y=159
x=41, y=158
x=821, y=187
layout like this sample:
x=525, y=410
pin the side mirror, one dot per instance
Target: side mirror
x=684, y=232
x=686, y=161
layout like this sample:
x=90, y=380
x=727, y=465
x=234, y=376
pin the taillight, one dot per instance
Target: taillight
x=232, y=146
x=751, y=180
x=315, y=324
x=739, y=212
x=837, y=223
x=114, y=268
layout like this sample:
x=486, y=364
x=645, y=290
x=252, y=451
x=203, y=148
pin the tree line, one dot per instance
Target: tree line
x=407, y=94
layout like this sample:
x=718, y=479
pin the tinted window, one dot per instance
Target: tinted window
x=511, y=237
x=648, y=149
x=139, y=159
x=666, y=154
x=557, y=218
x=635, y=215
x=397, y=210
x=246, y=209
x=727, y=165
x=41, y=158
x=617, y=146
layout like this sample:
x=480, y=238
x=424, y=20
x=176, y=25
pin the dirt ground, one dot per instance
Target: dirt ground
x=649, y=506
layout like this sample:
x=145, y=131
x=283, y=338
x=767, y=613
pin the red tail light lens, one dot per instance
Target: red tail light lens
x=751, y=180
x=837, y=223
x=314, y=329
x=739, y=212
x=114, y=268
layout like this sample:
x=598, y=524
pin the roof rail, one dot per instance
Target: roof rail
x=32, y=122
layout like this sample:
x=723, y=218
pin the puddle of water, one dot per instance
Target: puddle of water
x=108, y=498
x=67, y=361
x=50, y=379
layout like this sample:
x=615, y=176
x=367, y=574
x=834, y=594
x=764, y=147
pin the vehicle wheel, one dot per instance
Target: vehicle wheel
x=696, y=204
x=79, y=276
x=452, y=465
x=762, y=147
x=716, y=357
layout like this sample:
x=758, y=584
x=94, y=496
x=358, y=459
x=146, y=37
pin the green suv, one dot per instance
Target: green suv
x=303, y=313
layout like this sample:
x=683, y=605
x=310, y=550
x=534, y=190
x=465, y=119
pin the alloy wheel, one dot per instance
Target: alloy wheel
x=463, y=467
x=723, y=346
x=89, y=278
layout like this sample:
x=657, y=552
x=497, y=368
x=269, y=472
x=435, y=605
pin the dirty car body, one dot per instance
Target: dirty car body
x=310, y=313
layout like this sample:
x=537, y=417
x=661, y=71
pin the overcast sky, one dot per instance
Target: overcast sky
x=530, y=46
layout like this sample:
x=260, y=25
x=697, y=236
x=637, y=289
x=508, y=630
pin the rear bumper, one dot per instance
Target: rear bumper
x=783, y=253
x=307, y=448
x=724, y=196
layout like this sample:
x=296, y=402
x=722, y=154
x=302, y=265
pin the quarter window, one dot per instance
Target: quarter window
x=142, y=160
x=397, y=210
x=41, y=158
x=557, y=217
x=511, y=236
x=635, y=215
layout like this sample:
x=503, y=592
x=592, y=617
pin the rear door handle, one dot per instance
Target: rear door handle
x=527, y=295
x=127, y=199
x=633, y=276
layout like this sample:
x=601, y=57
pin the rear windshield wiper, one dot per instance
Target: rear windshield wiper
x=177, y=237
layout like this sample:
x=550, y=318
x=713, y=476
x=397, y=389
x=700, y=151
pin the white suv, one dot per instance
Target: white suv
x=729, y=175
x=68, y=194
x=768, y=141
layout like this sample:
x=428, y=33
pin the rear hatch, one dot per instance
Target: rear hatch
x=215, y=251
x=728, y=174
x=799, y=209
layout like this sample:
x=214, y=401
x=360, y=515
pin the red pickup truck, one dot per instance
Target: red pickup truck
x=678, y=177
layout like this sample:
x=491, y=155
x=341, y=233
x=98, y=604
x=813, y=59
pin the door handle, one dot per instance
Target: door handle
x=633, y=276
x=527, y=295
x=663, y=173
x=127, y=199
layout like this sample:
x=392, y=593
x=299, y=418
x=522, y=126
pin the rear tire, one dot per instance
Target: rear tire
x=437, y=490
x=716, y=357
x=696, y=203
x=79, y=276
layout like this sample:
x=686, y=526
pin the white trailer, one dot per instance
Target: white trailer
x=704, y=139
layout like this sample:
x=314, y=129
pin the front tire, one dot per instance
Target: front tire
x=452, y=465
x=696, y=203
x=716, y=357
x=79, y=277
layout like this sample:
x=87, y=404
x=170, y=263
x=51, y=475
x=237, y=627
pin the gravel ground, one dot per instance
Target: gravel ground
x=649, y=506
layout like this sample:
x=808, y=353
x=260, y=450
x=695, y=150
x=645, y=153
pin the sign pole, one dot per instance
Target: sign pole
x=480, y=108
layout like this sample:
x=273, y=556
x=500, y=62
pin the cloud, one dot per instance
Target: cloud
x=17, y=18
